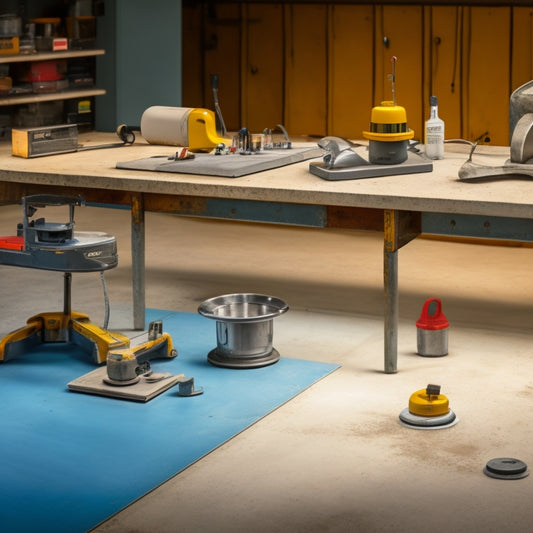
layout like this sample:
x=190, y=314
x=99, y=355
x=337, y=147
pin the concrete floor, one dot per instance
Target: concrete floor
x=335, y=458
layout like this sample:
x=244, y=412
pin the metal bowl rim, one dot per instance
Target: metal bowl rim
x=277, y=305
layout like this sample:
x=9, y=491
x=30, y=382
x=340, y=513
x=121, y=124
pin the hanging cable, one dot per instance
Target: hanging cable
x=106, y=301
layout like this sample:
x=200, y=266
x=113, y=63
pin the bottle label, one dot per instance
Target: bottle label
x=434, y=134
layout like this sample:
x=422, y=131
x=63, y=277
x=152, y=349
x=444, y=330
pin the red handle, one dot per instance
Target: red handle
x=435, y=320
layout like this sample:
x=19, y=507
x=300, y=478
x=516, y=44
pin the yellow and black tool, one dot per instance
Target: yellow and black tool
x=389, y=134
x=194, y=128
x=158, y=346
x=428, y=409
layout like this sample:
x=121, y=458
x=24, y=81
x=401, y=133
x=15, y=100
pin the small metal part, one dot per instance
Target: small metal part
x=220, y=125
x=433, y=390
x=506, y=468
x=267, y=139
x=119, y=382
x=186, y=388
x=256, y=142
x=277, y=139
x=153, y=377
x=393, y=79
x=287, y=145
x=412, y=421
x=340, y=153
x=244, y=142
x=155, y=330
x=143, y=368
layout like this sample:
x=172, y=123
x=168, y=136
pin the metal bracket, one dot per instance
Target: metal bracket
x=186, y=388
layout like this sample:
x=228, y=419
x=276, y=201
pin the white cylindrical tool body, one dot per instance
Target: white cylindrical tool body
x=166, y=125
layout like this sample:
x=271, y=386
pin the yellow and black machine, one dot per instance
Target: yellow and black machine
x=55, y=246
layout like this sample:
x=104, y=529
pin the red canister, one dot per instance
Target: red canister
x=432, y=330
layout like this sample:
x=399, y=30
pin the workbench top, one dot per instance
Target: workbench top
x=438, y=191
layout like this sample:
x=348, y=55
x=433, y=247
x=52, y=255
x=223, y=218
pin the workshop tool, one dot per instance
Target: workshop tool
x=389, y=135
x=124, y=369
x=345, y=160
x=158, y=346
x=244, y=326
x=194, y=128
x=56, y=246
x=61, y=139
x=390, y=149
x=506, y=468
x=126, y=365
x=186, y=388
x=220, y=125
x=428, y=409
x=521, y=149
x=432, y=330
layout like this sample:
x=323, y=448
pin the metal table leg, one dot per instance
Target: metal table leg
x=390, y=279
x=138, y=261
x=400, y=227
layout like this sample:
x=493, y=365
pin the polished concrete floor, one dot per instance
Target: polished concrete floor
x=335, y=458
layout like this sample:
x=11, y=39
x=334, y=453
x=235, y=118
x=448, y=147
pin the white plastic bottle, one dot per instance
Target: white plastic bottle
x=434, y=132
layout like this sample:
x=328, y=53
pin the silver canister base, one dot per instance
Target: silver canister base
x=244, y=326
x=226, y=361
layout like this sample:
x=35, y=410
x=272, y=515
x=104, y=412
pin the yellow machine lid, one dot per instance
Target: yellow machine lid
x=388, y=122
x=423, y=404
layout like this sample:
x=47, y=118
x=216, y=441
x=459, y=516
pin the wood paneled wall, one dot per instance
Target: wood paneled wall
x=319, y=68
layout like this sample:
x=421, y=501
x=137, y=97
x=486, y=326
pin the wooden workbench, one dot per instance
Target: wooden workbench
x=393, y=204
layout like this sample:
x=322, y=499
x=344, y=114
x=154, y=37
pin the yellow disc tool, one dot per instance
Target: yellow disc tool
x=423, y=404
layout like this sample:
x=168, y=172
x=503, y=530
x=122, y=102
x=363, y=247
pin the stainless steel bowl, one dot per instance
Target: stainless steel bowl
x=244, y=326
x=243, y=307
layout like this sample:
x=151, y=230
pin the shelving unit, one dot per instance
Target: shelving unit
x=46, y=56
x=48, y=97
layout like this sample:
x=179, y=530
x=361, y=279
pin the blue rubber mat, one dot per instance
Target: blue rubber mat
x=70, y=460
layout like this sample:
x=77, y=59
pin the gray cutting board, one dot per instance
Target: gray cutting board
x=227, y=166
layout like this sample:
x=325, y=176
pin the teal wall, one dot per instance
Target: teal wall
x=142, y=64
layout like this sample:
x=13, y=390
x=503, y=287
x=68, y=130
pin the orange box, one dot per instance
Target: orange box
x=9, y=45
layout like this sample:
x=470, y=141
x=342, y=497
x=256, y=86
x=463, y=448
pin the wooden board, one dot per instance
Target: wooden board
x=142, y=391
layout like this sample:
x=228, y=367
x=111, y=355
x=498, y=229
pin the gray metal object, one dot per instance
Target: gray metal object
x=412, y=421
x=186, y=388
x=522, y=140
x=506, y=468
x=432, y=343
x=220, y=124
x=520, y=103
x=244, y=327
x=54, y=245
x=340, y=153
x=345, y=160
x=521, y=152
x=392, y=310
x=120, y=370
x=387, y=153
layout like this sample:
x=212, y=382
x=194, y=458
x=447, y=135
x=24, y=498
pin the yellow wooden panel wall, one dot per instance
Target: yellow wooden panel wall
x=522, y=52
x=222, y=55
x=350, y=69
x=305, y=69
x=192, y=71
x=319, y=68
x=442, y=65
x=486, y=73
x=262, y=66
